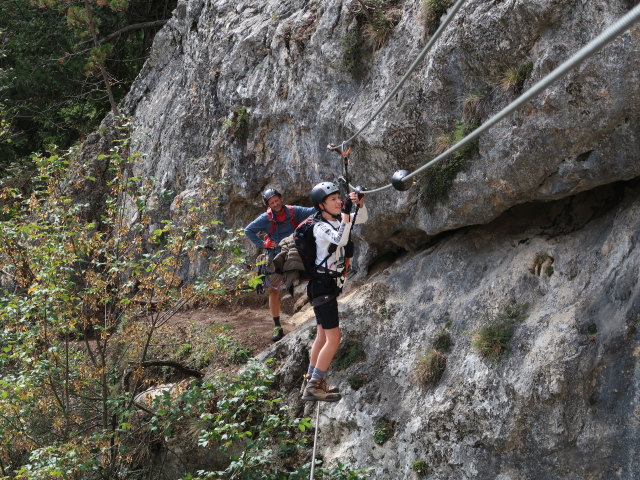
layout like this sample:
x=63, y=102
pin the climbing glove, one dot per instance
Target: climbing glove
x=268, y=243
x=347, y=205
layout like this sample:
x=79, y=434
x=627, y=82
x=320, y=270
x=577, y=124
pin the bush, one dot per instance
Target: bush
x=195, y=346
x=430, y=367
x=421, y=467
x=383, y=431
x=492, y=339
x=231, y=350
x=85, y=301
x=242, y=419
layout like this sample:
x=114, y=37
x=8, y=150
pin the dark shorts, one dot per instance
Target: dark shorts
x=327, y=313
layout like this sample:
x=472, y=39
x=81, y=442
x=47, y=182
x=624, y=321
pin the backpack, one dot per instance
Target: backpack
x=273, y=221
x=305, y=243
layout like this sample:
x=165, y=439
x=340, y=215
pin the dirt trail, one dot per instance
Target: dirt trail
x=247, y=320
x=251, y=325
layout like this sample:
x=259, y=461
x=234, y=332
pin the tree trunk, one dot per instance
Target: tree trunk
x=103, y=70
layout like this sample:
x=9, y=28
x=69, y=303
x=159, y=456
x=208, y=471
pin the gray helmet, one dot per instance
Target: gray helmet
x=268, y=193
x=322, y=191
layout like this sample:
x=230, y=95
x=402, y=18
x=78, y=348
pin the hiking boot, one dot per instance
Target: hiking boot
x=326, y=388
x=278, y=333
x=315, y=393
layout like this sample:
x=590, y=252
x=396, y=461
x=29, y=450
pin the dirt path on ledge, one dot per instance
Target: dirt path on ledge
x=247, y=320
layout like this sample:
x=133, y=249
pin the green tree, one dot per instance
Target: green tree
x=65, y=64
x=71, y=291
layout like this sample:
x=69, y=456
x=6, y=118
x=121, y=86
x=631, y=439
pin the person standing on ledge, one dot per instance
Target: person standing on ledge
x=278, y=222
x=331, y=230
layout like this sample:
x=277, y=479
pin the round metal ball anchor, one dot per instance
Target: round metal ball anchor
x=398, y=182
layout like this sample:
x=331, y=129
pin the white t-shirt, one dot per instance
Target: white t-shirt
x=334, y=232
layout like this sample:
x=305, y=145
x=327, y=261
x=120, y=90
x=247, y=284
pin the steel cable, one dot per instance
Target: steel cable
x=412, y=67
x=595, y=45
x=315, y=443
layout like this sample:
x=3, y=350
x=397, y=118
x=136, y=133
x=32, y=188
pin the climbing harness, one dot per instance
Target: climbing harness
x=349, y=248
x=399, y=180
x=274, y=221
x=315, y=443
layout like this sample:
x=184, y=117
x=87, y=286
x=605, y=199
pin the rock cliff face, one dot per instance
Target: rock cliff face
x=561, y=403
x=251, y=92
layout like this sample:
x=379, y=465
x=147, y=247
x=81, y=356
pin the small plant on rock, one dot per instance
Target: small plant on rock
x=349, y=353
x=491, y=340
x=443, y=341
x=383, y=431
x=542, y=263
x=430, y=367
x=242, y=118
x=441, y=176
x=383, y=309
x=313, y=331
x=238, y=122
x=420, y=467
x=432, y=12
x=473, y=109
x=375, y=21
x=357, y=381
x=352, y=52
x=381, y=20
x=513, y=79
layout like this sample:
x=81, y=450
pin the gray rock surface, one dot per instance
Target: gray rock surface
x=282, y=63
x=561, y=403
x=250, y=93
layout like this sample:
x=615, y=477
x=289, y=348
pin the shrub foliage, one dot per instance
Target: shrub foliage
x=81, y=301
x=430, y=367
x=491, y=340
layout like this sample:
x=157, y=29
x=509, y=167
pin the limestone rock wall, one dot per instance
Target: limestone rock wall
x=562, y=403
x=250, y=92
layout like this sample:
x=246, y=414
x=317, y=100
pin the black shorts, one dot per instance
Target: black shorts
x=327, y=313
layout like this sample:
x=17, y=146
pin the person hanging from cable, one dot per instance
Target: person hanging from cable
x=278, y=222
x=332, y=231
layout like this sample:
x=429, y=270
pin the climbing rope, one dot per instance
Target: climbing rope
x=315, y=443
x=595, y=45
x=413, y=66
